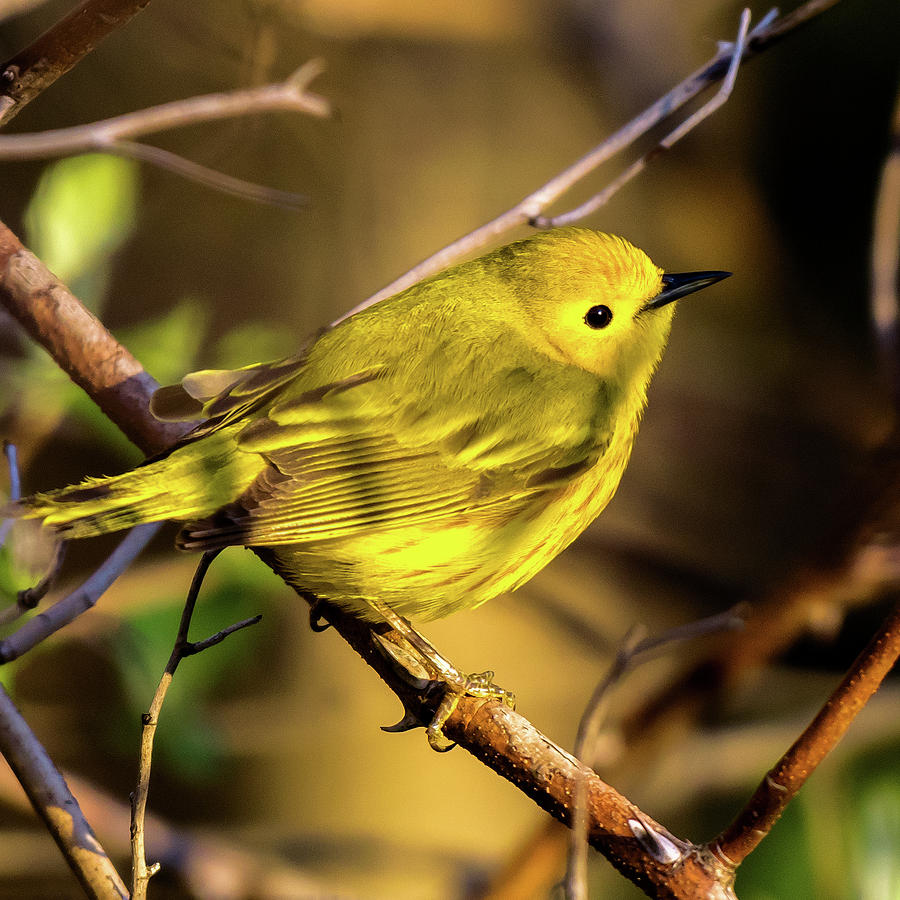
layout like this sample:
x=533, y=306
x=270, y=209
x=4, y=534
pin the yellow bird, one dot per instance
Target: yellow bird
x=429, y=452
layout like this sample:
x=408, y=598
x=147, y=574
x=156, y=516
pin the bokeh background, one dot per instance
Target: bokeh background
x=270, y=763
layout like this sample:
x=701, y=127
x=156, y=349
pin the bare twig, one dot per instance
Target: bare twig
x=35, y=68
x=80, y=600
x=141, y=872
x=53, y=802
x=290, y=94
x=28, y=599
x=783, y=781
x=192, y=171
x=603, y=197
x=636, y=647
x=526, y=210
x=111, y=135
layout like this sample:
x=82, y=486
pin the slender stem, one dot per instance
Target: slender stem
x=526, y=210
x=290, y=94
x=81, y=599
x=786, y=778
x=721, y=96
x=54, y=803
x=141, y=872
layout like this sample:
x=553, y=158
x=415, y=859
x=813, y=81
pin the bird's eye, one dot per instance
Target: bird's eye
x=598, y=316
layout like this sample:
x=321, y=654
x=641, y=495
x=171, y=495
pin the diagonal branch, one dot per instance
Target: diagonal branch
x=790, y=773
x=290, y=94
x=54, y=803
x=768, y=32
x=58, y=49
x=502, y=739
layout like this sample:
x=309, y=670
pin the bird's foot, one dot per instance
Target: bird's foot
x=481, y=685
x=421, y=665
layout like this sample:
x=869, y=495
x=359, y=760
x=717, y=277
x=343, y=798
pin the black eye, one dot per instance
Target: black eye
x=598, y=316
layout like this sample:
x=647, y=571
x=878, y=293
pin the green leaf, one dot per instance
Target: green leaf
x=82, y=211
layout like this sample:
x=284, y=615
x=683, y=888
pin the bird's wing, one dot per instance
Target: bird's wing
x=351, y=456
x=219, y=397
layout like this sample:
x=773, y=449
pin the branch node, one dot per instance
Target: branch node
x=657, y=845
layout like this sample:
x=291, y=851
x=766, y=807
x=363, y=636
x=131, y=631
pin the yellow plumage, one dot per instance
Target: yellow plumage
x=429, y=452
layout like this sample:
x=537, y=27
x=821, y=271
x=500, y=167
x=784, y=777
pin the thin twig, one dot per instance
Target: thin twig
x=193, y=171
x=109, y=135
x=58, y=49
x=141, y=872
x=636, y=647
x=603, y=197
x=28, y=599
x=783, y=781
x=53, y=802
x=290, y=94
x=764, y=35
x=80, y=600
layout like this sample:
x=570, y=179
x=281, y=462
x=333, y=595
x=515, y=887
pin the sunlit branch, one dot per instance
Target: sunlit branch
x=769, y=31
x=782, y=782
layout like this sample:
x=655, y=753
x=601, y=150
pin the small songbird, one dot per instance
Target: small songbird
x=427, y=453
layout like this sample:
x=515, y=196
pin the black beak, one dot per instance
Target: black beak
x=677, y=286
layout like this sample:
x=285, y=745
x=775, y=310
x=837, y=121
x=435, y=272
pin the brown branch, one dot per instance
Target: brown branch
x=58, y=49
x=783, y=781
x=83, y=348
x=109, y=135
x=193, y=854
x=290, y=94
x=767, y=33
x=53, y=802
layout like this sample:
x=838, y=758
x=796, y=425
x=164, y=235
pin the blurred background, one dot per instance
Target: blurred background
x=271, y=777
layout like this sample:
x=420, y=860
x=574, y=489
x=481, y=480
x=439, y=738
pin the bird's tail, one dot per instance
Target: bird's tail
x=180, y=486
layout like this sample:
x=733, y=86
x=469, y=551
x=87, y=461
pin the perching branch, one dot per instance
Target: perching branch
x=58, y=49
x=527, y=210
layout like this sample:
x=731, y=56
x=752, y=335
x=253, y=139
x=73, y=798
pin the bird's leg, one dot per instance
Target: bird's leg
x=438, y=668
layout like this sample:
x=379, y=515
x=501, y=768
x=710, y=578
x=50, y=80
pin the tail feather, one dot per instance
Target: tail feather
x=180, y=486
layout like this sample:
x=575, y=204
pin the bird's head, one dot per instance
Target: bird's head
x=596, y=301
